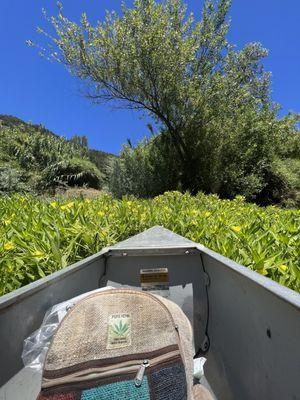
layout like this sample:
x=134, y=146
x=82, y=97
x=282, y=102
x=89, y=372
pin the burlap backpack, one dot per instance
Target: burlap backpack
x=118, y=345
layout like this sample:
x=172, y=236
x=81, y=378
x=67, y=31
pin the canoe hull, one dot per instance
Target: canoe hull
x=252, y=323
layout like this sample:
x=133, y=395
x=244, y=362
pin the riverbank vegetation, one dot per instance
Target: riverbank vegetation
x=38, y=237
x=35, y=160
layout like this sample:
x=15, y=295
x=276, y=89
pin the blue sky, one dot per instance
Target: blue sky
x=43, y=92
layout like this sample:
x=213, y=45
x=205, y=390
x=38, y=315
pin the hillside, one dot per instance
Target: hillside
x=34, y=159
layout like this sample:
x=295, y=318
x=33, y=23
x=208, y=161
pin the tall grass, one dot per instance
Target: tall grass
x=38, y=237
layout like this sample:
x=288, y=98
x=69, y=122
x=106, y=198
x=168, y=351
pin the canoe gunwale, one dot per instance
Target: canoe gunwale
x=153, y=251
x=278, y=290
x=34, y=287
x=251, y=320
x=275, y=288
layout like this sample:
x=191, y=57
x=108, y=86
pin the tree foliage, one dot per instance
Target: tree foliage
x=211, y=101
x=72, y=172
x=146, y=170
x=11, y=180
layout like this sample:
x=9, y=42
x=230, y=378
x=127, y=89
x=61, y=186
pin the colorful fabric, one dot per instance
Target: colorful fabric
x=119, y=326
x=169, y=383
x=124, y=390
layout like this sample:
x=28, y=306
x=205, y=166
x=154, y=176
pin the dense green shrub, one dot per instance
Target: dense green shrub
x=287, y=178
x=146, y=170
x=72, y=172
x=11, y=180
x=240, y=167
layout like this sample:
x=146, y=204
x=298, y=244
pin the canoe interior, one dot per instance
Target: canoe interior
x=252, y=324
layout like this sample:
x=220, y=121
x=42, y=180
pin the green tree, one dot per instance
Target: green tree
x=80, y=141
x=211, y=101
x=73, y=172
x=147, y=170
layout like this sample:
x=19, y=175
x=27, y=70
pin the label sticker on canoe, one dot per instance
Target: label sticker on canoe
x=119, y=331
x=155, y=279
